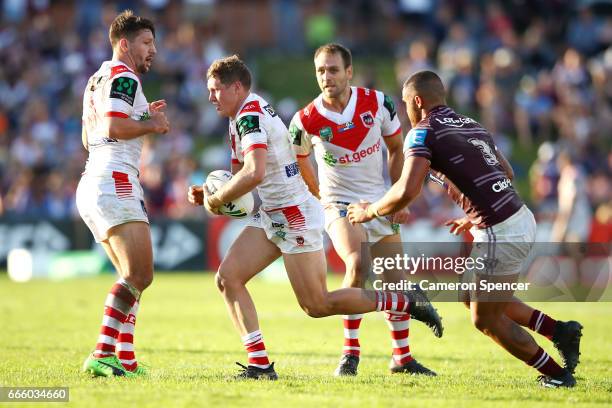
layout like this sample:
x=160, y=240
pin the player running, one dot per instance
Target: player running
x=478, y=178
x=345, y=127
x=109, y=197
x=288, y=224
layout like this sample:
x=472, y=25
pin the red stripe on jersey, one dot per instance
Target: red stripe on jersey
x=301, y=156
x=351, y=324
x=253, y=147
x=252, y=106
x=116, y=115
x=119, y=69
x=351, y=138
x=397, y=132
x=235, y=161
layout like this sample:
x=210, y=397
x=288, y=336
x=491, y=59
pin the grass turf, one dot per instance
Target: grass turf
x=184, y=333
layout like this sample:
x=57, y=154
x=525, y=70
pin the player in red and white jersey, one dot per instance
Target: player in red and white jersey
x=116, y=117
x=289, y=223
x=479, y=179
x=347, y=127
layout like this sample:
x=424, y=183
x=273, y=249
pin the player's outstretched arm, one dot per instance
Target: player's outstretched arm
x=127, y=128
x=251, y=175
x=401, y=193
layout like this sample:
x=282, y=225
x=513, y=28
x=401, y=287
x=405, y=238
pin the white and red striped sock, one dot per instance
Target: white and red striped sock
x=116, y=309
x=125, y=342
x=391, y=302
x=399, y=325
x=351, y=334
x=254, y=345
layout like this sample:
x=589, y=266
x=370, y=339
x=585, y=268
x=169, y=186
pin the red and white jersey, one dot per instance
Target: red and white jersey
x=258, y=126
x=114, y=90
x=347, y=145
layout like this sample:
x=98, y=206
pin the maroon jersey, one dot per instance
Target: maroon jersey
x=462, y=155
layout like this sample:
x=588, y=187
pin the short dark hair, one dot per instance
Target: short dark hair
x=229, y=70
x=426, y=83
x=335, y=48
x=127, y=25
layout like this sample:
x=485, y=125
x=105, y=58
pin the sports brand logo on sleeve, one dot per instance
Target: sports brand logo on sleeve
x=270, y=110
x=296, y=134
x=416, y=137
x=125, y=89
x=390, y=106
x=247, y=124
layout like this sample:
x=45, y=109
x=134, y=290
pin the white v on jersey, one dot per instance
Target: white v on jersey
x=114, y=90
x=257, y=126
x=347, y=145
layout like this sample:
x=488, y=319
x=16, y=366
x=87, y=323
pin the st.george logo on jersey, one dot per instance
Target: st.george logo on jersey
x=485, y=149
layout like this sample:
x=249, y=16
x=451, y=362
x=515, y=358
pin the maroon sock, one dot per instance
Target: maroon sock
x=545, y=364
x=542, y=323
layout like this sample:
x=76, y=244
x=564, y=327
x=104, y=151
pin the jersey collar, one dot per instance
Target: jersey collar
x=340, y=118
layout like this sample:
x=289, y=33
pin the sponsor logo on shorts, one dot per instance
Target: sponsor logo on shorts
x=281, y=234
x=278, y=225
x=343, y=212
x=299, y=240
x=501, y=185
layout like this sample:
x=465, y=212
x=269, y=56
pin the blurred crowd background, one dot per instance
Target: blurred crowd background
x=537, y=74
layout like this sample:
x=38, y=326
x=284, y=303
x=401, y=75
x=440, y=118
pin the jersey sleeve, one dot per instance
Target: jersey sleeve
x=390, y=122
x=250, y=132
x=419, y=142
x=299, y=138
x=121, y=94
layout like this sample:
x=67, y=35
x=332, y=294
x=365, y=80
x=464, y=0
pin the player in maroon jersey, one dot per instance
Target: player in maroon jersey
x=461, y=154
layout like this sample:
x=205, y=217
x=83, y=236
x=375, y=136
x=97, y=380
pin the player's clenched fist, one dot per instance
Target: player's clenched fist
x=159, y=122
x=195, y=195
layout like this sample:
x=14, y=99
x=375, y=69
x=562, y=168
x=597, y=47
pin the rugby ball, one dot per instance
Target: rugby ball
x=238, y=208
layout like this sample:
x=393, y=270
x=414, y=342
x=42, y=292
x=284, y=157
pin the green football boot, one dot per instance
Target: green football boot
x=106, y=367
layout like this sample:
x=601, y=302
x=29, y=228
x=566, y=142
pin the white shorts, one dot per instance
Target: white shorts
x=106, y=201
x=505, y=245
x=376, y=229
x=293, y=229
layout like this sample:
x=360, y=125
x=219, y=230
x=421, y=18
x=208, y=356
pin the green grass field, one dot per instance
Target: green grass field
x=183, y=332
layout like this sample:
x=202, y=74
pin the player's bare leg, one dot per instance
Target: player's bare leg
x=307, y=273
x=234, y=273
x=564, y=335
x=347, y=240
x=490, y=318
x=129, y=248
x=232, y=277
x=401, y=360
